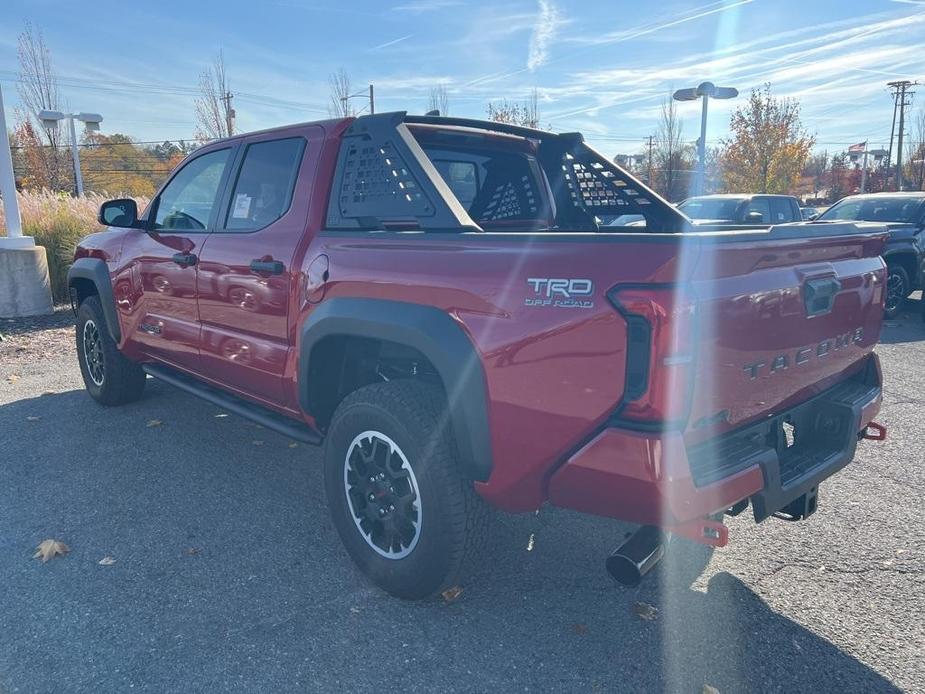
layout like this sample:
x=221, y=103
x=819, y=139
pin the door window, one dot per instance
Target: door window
x=187, y=201
x=781, y=211
x=265, y=184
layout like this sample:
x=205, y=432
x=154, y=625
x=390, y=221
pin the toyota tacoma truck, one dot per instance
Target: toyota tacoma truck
x=434, y=301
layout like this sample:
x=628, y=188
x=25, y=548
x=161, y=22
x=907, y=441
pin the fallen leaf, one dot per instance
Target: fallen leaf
x=579, y=629
x=888, y=563
x=901, y=551
x=293, y=445
x=707, y=689
x=257, y=442
x=106, y=561
x=12, y=378
x=191, y=551
x=451, y=594
x=531, y=542
x=32, y=418
x=154, y=423
x=645, y=611
x=49, y=549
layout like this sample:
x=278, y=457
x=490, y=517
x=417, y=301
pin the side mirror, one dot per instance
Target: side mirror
x=754, y=218
x=119, y=213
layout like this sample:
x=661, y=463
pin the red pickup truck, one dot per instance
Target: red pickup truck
x=434, y=300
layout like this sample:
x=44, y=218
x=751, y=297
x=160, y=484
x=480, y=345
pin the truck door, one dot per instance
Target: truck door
x=248, y=266
x=162, y=316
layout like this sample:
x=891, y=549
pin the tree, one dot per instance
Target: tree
x=526, y=114
x=672, y=160
x=340, y=106
x=439, y=100
x=114, y=164
x=814, y=170
x=38, y=91
x=838, y=177
x=213, y=105
x=769, y=146
x=915, y=171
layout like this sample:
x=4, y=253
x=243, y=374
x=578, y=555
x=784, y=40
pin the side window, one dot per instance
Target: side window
x=263, y=190
x=187, y=201
x=755, y=207
x=781, y=211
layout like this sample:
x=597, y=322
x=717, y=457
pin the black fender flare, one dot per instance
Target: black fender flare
x=433, y=333
x=95, y=270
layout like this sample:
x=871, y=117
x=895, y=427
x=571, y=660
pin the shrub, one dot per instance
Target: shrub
x=58, y=221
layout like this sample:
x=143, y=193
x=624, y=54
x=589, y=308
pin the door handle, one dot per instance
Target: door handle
x=270, y=267
x=184, y=259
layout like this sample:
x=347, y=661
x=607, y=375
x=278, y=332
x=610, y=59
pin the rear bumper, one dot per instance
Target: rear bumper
x=654, y=479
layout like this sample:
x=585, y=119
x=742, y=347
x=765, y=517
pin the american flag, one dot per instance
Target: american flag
x=859, y=147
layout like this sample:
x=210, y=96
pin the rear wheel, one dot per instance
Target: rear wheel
x=897, y=289
x=405, y=513
x=109, y=377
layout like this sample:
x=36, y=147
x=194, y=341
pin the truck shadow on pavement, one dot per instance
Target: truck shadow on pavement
x=229, y=575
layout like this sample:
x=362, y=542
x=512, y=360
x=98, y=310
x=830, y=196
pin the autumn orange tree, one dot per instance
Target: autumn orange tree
x=769, y=146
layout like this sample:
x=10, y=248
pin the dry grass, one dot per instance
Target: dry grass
x=58, y=221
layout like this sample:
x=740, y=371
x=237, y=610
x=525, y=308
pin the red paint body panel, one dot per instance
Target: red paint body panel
x=554, y=375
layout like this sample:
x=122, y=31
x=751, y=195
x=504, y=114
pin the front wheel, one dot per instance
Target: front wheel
x=897, y=289
x=405, y=513
x=110, y=378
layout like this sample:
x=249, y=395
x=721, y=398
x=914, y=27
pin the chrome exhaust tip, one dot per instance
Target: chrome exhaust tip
x=635, y=558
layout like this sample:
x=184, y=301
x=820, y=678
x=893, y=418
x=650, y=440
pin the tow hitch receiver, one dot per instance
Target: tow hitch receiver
x=705, y=531
x=874, y=432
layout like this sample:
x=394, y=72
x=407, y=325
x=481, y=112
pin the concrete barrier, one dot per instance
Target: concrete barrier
x=24, y=286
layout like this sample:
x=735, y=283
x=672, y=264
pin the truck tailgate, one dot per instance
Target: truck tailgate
x=780, y=320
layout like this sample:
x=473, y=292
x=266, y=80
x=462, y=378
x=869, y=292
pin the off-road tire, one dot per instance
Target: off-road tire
x=896, y=274
x=119, y=381
x=453, y=518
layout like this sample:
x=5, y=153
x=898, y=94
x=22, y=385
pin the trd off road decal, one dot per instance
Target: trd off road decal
x=560, y=293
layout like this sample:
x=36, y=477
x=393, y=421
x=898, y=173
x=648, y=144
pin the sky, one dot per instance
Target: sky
x=600, y=67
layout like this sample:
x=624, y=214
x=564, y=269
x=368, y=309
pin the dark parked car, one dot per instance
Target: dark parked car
x=904, y=215
x=740, y=209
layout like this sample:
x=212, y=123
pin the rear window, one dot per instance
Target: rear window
x=875, y=210
x=723, y=209
x=496, y=187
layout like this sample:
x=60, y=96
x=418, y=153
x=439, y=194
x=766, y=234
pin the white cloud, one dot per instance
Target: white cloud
x=419, y=6
x=544, y=31
x=392, y=42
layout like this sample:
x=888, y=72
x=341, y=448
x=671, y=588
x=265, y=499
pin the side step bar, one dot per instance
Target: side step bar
x=262, y=416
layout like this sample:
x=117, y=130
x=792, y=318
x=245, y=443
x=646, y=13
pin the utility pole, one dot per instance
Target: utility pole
x=229, y=112
x=901, y=91
x=651, y=145
x=889, y=152
x=372, y=100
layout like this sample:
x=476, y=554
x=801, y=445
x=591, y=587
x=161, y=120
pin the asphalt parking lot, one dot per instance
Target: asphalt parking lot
x=228, y=575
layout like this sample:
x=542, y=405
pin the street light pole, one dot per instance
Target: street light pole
x=75, y=155
x=50, y=119
x=704, y=91
x=8, y=182
x=702, y=146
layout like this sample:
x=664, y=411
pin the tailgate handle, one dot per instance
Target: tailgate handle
x=819, y=295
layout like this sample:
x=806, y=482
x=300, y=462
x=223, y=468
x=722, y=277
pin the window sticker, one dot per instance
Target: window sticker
x=242, y=206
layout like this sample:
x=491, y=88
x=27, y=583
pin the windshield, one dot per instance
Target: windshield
x=898, y=209
x=711, y=208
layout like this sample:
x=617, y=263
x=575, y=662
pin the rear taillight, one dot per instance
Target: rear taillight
x=660, y=324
